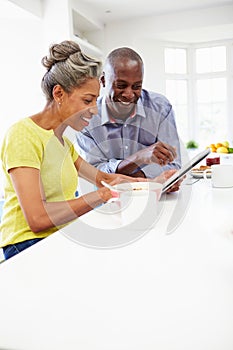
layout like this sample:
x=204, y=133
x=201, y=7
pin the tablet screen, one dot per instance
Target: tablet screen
x=180, y=173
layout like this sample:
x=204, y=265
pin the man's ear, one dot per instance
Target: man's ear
x=58, y=93
x=102, y=79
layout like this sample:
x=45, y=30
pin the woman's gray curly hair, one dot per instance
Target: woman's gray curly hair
x=67, y=66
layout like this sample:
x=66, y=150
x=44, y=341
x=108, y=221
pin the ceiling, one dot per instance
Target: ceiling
x=109, y=11
x=8, y=10
x=114, y=10
x=221, y=27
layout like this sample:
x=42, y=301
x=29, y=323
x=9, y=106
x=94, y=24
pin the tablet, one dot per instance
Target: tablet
x=180, y=173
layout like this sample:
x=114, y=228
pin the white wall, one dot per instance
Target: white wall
x=56, y=21
x=23, y=43
x=21, y=70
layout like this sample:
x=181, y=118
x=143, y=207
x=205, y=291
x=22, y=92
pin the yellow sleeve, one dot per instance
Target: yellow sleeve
x=21, y=147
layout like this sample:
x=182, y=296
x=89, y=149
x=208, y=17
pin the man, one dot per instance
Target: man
x=134, y=132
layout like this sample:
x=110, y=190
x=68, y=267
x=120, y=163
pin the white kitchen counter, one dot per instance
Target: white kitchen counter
x=162, y=291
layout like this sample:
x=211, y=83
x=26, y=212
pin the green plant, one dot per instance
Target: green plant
x=191, y=144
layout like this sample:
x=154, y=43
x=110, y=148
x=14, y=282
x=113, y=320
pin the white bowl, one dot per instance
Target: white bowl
x=140, y=188
x=138, y=204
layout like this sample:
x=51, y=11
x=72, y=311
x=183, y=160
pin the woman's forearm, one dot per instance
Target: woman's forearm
x=58, y=213
x=87, y=171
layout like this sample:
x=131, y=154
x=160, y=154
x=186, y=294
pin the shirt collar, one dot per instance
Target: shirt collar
x=106, y=118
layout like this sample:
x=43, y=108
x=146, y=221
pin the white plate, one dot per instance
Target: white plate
x=198, y=174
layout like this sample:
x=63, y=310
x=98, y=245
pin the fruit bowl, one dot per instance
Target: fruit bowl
x=221, y=147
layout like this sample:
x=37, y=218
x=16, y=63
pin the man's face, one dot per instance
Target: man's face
x=123, y=85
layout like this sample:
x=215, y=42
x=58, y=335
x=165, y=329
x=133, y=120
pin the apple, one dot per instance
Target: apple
x=225, y=144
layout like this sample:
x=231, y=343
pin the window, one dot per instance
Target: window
x=177, y=86
x=200, y=94
x=211, y=104
x=177, y=92
x=211, y=59
x=175, y=61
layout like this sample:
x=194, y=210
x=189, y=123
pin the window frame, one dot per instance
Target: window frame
x=192, y=77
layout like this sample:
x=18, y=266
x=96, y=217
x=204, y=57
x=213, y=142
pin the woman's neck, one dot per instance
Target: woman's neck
x=50, y=119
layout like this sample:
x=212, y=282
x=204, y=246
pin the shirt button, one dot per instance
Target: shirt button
x=125, y=125
x=126, y=147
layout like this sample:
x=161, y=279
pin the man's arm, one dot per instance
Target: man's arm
x=126, y=167
x=159, y=153
x=105, y=148
x=167, y=132
x=94, y=154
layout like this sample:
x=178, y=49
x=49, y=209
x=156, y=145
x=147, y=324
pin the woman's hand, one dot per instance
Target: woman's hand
x=114, y=179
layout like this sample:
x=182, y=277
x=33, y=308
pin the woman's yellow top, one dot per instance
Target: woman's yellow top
x=28, y=145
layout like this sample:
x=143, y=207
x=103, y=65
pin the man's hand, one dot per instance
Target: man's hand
x=160, y=153
x=165, y=176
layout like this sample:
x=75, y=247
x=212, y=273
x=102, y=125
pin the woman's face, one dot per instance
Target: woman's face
x=79, y=106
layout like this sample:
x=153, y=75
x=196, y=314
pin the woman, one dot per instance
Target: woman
x=41, y=166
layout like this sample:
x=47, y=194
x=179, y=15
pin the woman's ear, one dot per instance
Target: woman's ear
x=58, y=93
x=102, y=79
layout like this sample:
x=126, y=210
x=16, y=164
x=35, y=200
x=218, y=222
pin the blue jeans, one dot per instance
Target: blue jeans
x=13, y=249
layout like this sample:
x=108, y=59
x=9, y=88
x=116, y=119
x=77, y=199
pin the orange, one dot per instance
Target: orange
x=213, y=148
x=217, y=145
